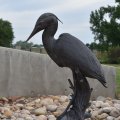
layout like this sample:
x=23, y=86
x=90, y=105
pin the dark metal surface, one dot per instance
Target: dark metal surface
x=80, y=102
x=68, y=51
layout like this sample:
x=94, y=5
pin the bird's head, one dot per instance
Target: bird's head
x=42, y=23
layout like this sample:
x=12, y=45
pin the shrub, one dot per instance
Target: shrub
x=114, y=55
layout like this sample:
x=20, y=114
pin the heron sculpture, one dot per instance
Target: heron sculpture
x=68, y=51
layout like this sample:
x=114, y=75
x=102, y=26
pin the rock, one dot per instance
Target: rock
x=93, y=102
x=100, y=111
x=110, y=103
x=47, y=101
x=21, y=106
x=115, y=113
x=40, y=111
x=118, y=118
x=4, y=99
x=109, y=99
x=65, y=104
x=55, y=97
x=21, y=100
x=116, y=101
x=57, y=102
x=105, y=105
x=102, y=116
x=29, y=108
x=61, y=107
x=116, y=105
x=107, y=109
x=101, y=98
x=98, y=104
x=42, y=117
x=63, y=99
x=25, y=111
x=110, y=118
x=51, y=117
x=94, y=114
x=51, y=108
x=14, y=98
x=57, y=113
x=60, y=110
x=30, y=104
x=8, y=113
x=37, y=101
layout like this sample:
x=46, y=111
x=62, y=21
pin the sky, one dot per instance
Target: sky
x=75, y=15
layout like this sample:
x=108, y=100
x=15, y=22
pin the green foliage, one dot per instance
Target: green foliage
x=109, y=57
x=103, y=57
x=95, y=46
x=118, y=81
x=105, y=26
x=24, y=45
x=114, y=55
x=6, y=33
x=117, y=1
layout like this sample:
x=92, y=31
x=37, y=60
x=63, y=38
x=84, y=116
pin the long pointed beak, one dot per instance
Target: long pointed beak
x=35, y=30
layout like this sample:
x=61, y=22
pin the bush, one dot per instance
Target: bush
x=102, y=56
x=114, y=55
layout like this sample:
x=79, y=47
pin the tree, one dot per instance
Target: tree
x=24, y=45
x=117, y=1
x=6, y=33
x=105, y=26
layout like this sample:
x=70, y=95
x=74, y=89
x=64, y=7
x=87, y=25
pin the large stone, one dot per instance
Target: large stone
x=40, y=111
x=116, y=105
x=63, y=99
x=46, y=101
x=107, y=109
x=105, y=105
x=101, y=98
x=8, y=113
x=102, y=116
x=99, y=104
x=94, y=114
x=110, y=118
x=51, y=117
x=51, y=108
x=115, y=113
x=42, y=117
x=20, y=105
x=118, y=118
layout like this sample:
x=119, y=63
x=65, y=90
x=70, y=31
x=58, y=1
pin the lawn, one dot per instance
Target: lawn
x=117, y=66
x=118, y=80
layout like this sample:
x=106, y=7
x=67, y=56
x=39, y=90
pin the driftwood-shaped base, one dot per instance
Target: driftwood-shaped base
x=80, y=101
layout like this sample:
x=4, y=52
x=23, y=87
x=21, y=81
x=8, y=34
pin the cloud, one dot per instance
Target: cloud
x=74, y=14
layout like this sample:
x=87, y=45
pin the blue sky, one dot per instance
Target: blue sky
x=74, y=14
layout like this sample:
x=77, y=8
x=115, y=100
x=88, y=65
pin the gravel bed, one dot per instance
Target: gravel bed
x=49, y=107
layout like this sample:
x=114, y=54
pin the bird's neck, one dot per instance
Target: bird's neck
x=48, y=36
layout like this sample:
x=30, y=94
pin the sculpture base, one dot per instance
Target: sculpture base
x=79, y=103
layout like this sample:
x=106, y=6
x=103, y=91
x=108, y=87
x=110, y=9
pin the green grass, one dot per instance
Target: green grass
x=117, y=66
x=118, y=81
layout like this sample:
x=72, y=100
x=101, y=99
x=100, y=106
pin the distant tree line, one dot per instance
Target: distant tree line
x=26, y=45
